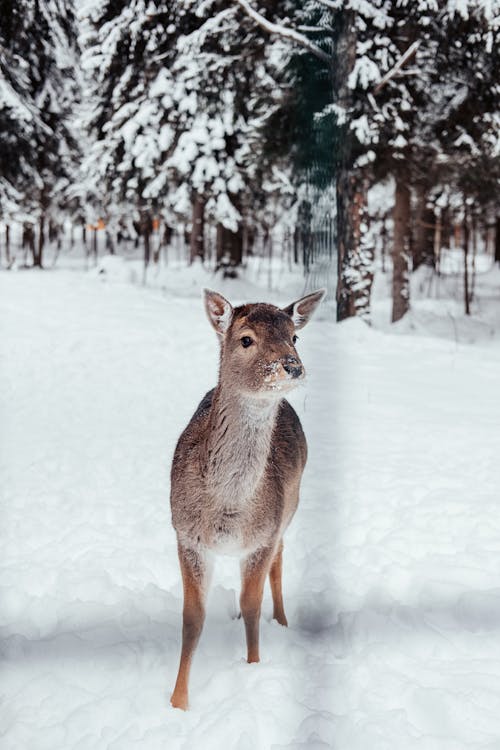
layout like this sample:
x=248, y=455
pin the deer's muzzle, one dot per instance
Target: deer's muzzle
x=293, y=367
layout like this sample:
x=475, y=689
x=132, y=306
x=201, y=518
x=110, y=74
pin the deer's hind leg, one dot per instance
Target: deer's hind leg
x=195, y=568
x=275, y=575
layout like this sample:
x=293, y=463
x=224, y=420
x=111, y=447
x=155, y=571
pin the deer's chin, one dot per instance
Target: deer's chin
x=281, y=386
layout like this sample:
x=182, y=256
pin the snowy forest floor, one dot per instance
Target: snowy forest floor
x=391, y=566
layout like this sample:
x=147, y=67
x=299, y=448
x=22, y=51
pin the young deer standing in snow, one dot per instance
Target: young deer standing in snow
x=238, y=464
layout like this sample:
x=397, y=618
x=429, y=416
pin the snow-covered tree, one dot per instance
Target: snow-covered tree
x=177, y=96
x=37, y=93
x=415, y=90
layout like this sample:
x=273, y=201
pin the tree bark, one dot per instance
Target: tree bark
x=383, y=240
x=400, y=253
x=196, y=239
x=146, y=227
x=437, y=242
x=28, y=242
x=229, y=249
x=7, y=245
x=355, y=254
x=465, y=236
x=497, y=240
x=94, y=243
x=305, y=232
x=474, y=257
x=423, y=244
x=37, y=258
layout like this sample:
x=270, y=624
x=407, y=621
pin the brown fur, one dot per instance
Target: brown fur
x=237, y=467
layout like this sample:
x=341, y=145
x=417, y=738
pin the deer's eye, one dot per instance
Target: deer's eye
x=294, y=339
x=246, y=341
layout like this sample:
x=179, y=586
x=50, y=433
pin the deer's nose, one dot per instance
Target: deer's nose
x=292, y=366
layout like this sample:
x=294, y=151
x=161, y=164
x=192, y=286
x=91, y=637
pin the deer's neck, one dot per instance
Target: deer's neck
x=238, y=446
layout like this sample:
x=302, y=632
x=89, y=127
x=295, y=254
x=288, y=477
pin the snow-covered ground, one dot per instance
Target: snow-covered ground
x=392, y=563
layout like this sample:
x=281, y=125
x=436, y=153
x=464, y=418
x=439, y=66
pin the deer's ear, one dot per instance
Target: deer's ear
x=219, y=311
x=301, y=310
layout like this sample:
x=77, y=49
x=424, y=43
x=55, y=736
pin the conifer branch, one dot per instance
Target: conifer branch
x=284, y=32
x=402, y=60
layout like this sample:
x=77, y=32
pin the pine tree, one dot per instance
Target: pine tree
x=175, y=113
x=37, y=142
x=418, y=105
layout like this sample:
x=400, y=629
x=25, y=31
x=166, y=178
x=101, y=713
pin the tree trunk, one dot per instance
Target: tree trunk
x=94, y=243
x=400, y=253
x=146, y=229
x=28, y=242
x=305, y=233
x=497, y=240
x=474, y=256
x=465, y=236
x=196, y=239
x=355, y=254
x=229, y=249
x=110, y=245
x=53, y=231
x=7, y=245
x=37, y=258
x=423, y=244
x=437, y=243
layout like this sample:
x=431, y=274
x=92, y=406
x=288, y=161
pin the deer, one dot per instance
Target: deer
x=237, y=467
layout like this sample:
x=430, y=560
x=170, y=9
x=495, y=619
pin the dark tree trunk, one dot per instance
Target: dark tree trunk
x=167, y=234
x=146, y=227
x=110, y=245
x=296, y=245
x=7, y=245
x=196, y=239
x=383, y=238
x=28, y=242
x=465, y=236
x=474, y=256
x=305, y=233
x=355, y=255
x=53, y=231
x=423, y=241
x=38, y=256
x=95, y=249
x=250, y=240
x=497, y=240
x=400, y=253
x=229, y=249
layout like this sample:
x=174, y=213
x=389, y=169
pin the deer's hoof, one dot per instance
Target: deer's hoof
x=179, y=701
x=281, y=620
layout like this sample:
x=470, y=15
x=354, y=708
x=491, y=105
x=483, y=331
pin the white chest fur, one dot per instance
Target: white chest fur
x=239, y=450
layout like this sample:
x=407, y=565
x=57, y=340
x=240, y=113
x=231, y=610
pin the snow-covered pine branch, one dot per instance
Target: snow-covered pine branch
x=399, y=64
x=284, y=32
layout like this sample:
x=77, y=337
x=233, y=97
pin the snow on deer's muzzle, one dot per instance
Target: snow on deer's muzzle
x=282, y=371
x=293, y=367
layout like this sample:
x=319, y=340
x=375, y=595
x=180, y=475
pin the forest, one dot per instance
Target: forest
x=263, y=150
x=341, y=138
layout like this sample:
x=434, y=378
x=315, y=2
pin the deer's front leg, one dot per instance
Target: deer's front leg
x=254, y=570
x=195, y=570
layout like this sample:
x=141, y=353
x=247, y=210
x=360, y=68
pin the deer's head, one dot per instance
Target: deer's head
x=258, y=354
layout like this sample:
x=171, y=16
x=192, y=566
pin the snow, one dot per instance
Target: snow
x=391, y=572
